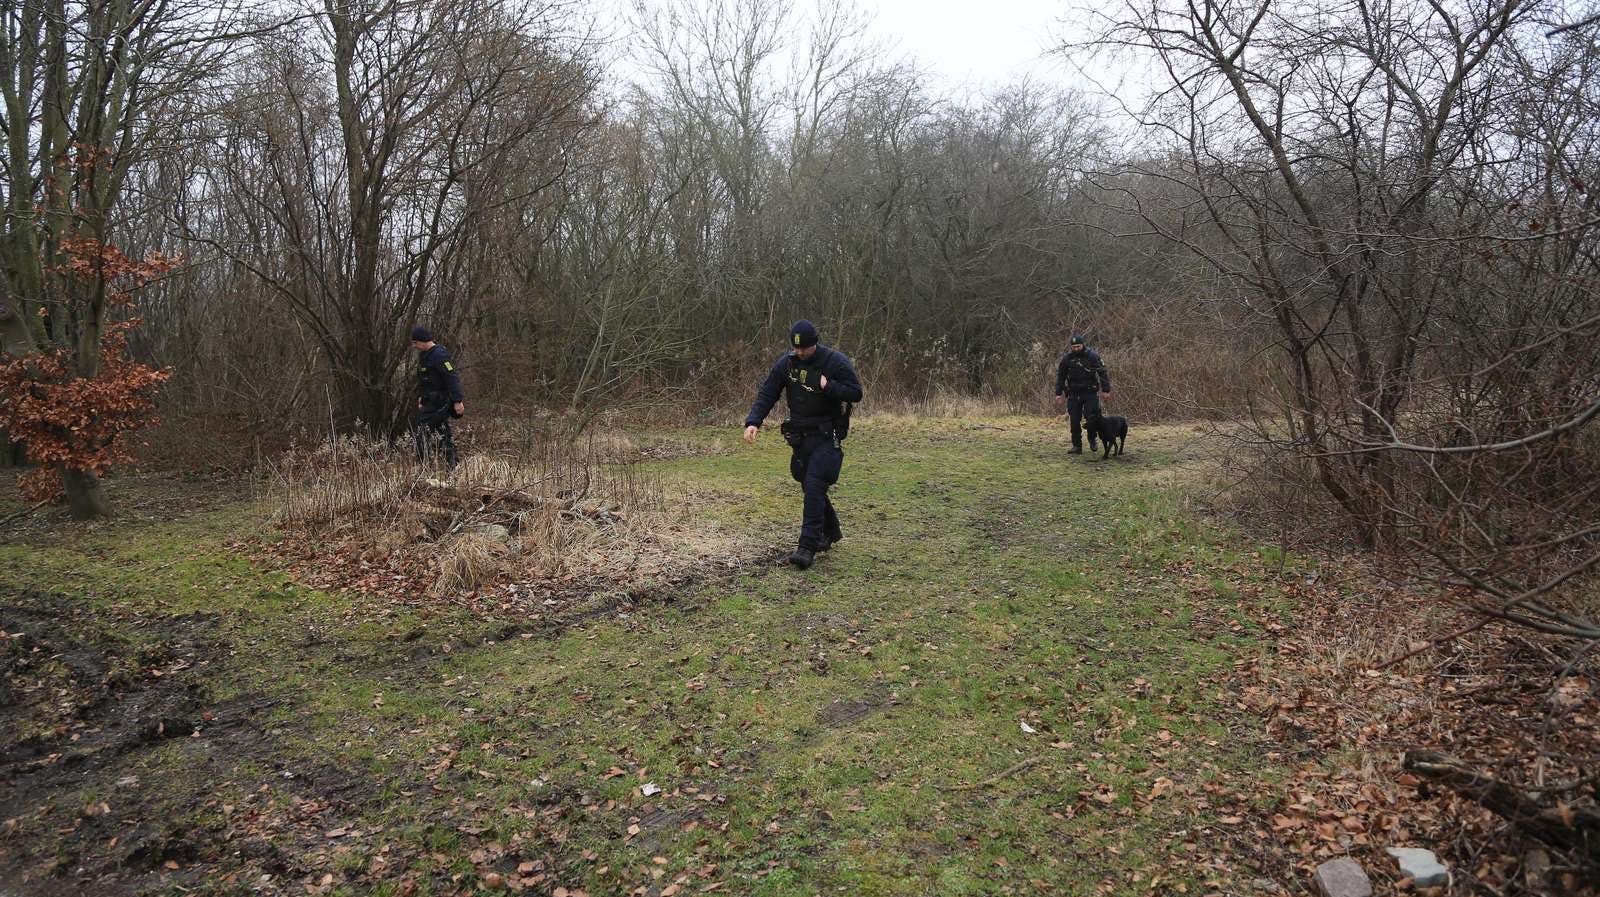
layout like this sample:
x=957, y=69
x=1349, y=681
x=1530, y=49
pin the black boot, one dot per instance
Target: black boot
x=803, y=557
x=1076, y=450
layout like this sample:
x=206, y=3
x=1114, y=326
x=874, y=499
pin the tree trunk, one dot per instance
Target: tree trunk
x=85, y=499
x=11, y=453
x=15, y=339
x=367, y=404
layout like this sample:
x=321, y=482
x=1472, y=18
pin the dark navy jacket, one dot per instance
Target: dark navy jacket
x=437, y=378
x=797, y=378
x=1082, y=372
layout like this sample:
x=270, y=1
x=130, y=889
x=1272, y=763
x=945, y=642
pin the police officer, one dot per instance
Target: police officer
x=439, y=396
x=819, y=385
x=1079, y=373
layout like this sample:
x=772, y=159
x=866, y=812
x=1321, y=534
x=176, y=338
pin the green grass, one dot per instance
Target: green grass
x=855, y=728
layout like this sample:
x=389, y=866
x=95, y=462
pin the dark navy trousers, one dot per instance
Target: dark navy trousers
x=433, y=434
x=1079, y=406
x=815, y=466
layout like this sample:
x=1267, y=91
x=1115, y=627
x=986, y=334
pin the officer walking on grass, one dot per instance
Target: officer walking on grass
x=820, y=387
x=439, y=397
x=1080, y=374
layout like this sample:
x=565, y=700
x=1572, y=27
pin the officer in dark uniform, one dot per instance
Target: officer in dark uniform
x=439, y=396
x=1079, y=373
x=820, y=386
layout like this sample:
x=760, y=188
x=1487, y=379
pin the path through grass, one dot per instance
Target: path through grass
x=1003, y=681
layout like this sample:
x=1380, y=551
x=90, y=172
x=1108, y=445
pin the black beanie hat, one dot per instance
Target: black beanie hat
x=802, y=334
x=421, y=334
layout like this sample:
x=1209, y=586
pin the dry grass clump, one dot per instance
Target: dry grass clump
x=467, y=561
x=560, y=510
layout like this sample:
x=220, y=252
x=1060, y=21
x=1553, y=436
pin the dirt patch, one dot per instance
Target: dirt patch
x=656, y=826
x=87, y=690
x=117, y=767
x=530, y=611
x=824, y=622
x=75, y=687
x=842, y=713
x=998, y=522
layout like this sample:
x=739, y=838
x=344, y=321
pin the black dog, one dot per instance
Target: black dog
x=1109, y=429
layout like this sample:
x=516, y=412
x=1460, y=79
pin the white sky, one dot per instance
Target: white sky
x=966, y=45
x=974, y=44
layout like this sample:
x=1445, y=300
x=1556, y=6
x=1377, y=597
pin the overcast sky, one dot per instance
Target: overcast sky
x=967, y=45
x=974, y=44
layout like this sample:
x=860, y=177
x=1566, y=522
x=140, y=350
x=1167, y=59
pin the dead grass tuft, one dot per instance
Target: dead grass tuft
x=581, y=510
x=468, y=561
x=941, y=402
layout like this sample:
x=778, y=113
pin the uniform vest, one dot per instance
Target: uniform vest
x=1080, y=372
x=432, y=385
x=806, y=399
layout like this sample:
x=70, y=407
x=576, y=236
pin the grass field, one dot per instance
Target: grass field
x=1010, y=678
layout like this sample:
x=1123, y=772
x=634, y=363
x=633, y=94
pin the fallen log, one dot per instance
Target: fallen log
x=1573, y=826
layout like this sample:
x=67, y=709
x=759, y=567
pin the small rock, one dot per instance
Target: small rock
x=1343, y=877
x=1536, y=868
x=492, y=530
x=1421, y=866
x=1265, y=886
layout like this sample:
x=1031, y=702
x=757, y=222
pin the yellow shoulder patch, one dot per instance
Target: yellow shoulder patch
x=449, y=367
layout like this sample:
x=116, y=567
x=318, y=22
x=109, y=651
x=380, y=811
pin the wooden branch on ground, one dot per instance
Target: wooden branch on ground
x=22, y=513
x=1573, y=827
x=1434, y=643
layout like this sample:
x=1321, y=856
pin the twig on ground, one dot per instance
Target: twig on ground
x=997, y=777
x=22, y=513
x=1434, y=643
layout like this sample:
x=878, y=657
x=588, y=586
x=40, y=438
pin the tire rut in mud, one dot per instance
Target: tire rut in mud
x=87, y=696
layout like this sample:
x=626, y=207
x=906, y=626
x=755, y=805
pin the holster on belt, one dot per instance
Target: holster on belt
x=796, y=434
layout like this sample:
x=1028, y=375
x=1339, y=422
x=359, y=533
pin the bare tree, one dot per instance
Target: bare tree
x=89, y=91
x=452, y=161
x=1401, y=196
x=1346, y=161
x=373, y=159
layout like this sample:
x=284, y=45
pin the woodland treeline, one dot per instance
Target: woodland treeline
x=331, y=174
x=1373, y=230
